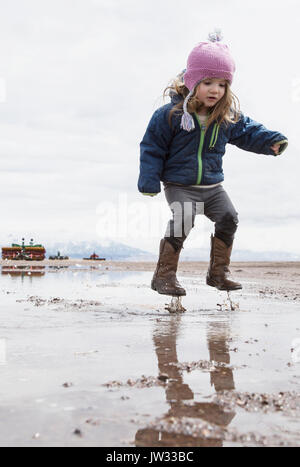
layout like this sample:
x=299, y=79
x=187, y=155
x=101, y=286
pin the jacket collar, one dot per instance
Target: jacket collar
x=175, y=98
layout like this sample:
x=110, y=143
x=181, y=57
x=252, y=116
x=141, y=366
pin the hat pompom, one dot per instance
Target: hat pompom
x=215, y=36
x=187, y=122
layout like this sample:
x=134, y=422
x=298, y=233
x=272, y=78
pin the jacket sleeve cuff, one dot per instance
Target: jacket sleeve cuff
x=283, y=145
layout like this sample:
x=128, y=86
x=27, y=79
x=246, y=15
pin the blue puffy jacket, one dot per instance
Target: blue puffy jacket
x=170, y=154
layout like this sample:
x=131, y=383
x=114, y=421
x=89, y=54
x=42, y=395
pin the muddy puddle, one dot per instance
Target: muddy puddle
x=92, y=357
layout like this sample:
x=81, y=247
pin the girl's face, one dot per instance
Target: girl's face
x=210, y=91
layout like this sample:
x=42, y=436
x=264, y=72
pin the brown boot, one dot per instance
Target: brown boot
x=218, y=272
x=164, y=280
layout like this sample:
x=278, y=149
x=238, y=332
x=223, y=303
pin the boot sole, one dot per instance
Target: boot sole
x=168, y=293
x=213, y=284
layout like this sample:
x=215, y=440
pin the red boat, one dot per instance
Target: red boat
x=95, y=257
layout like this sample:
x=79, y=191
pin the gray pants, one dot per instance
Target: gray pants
x=186, y=202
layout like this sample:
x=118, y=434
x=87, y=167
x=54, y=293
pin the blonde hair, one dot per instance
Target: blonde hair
x=227, y=110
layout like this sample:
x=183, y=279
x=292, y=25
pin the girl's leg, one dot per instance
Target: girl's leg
x=219, y=209
x=183, y=210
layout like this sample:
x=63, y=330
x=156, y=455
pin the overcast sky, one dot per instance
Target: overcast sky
x=82, y=80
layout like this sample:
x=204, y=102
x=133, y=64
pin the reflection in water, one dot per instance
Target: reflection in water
x=217, y=338
x=23, y=271
x=58, y=267
x=180, y=396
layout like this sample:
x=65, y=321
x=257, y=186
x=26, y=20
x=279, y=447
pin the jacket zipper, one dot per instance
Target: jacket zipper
x=214, y=136
x=202, y=135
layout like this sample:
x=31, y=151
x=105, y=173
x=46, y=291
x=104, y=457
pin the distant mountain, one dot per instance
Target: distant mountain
x=247, y=255
x=119, y=251
x=110, y=251
x=202, y=254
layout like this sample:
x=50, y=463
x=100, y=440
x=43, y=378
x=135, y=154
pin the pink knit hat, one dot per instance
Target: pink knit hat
x=207, y=60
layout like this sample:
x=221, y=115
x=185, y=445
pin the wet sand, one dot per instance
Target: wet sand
x=89, y=356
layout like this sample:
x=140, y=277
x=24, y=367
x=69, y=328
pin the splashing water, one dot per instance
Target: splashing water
x=175, y=306
x=228, y=304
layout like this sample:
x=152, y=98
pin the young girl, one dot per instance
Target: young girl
x=183, y=147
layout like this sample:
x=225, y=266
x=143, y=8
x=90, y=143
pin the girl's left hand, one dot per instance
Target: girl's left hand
x=275, y=148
